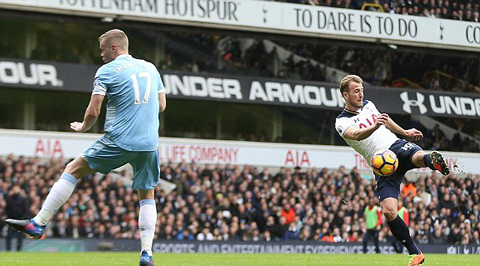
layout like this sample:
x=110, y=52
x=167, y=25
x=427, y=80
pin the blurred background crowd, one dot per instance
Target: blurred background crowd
x=243, y=203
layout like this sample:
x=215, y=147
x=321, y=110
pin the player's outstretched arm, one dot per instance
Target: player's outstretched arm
x=412, y=133
x=162, y=100
x=91, y=114
x=360, y=134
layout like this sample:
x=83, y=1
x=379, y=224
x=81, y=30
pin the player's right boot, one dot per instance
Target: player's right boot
x=28, y=227
x=439, y=163
x=145, y=259
x=416, y=260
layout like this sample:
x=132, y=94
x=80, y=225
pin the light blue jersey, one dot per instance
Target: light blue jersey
x=132, y=87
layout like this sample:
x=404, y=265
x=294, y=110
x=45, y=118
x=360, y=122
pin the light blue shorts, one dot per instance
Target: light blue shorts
x=103, y=157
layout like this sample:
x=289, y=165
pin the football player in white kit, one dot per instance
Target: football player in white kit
x=367, y=130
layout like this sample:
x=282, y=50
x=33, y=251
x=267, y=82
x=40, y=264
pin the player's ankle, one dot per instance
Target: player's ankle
x=38, y=221
x=149, y=251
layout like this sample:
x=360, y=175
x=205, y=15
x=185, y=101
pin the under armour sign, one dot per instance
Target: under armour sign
x=29, y=74
x=408, y=103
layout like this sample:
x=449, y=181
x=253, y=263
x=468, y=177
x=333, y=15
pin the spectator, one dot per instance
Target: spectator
x=409, y=190
x=476, y=238
x=17, y=208
x=293, y=233
x=288, y=213
x=438, y=237
x=205, y=235
x=373, y=218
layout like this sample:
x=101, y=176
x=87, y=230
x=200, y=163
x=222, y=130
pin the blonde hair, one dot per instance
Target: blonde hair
x=345, y=83
x=117, y=37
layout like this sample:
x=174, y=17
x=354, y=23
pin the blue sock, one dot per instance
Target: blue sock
x=400, y=231
x=427, y=159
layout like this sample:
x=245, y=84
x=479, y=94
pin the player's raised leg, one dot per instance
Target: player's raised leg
x=59, y=194
x=400, y=230
x=146, y=221
x=433, y=160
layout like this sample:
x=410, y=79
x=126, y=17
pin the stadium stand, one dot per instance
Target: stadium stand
x=224, y=202
x=221, y=54
x=216, y=53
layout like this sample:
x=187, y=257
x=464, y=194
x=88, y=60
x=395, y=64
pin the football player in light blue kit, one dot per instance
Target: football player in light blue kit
x=135, y=95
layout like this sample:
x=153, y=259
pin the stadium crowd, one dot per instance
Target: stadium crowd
x=226, y=202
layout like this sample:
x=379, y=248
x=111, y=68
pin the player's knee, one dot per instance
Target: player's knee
x=77, y=168
x=390, y=213
x=69, y=168
x=146, y=193
x=72, y=169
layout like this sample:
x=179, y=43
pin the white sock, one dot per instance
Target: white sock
x=146, y=221
x=59, y=194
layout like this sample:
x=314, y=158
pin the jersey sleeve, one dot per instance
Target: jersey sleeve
x=342, y=124
x=100, y=82
x=161, y=87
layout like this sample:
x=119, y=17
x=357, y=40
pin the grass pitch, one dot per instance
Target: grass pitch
x=131, y=258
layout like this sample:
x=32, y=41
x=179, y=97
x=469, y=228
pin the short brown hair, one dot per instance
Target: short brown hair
x=345, y=83
x=117, y=37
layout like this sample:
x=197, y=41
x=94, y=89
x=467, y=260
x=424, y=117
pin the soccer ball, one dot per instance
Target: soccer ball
x=384, y=162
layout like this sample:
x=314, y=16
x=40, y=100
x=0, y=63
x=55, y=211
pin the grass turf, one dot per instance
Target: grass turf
x=130, y=258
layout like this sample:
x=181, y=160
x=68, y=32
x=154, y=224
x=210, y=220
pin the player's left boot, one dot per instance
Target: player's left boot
x=439, y=163
x=145, y=259
x=416, y=260
x=28, y=227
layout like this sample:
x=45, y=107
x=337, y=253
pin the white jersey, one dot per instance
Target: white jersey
x=382, y=138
